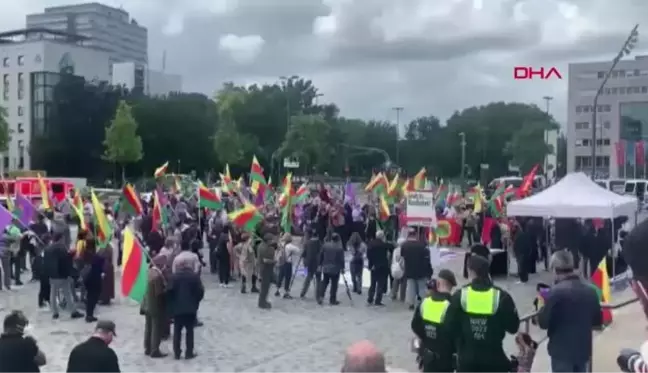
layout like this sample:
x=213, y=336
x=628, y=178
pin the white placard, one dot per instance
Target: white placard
x=420, y=209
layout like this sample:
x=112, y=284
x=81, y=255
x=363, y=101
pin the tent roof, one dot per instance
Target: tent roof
x=574, y=196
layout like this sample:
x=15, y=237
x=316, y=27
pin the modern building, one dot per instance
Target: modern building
x=108, y=28
x=621, y=118
x=31, y=63
x=134, y=76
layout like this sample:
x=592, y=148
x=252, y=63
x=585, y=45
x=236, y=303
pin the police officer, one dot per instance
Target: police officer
x=479, y=316
x=428, y=323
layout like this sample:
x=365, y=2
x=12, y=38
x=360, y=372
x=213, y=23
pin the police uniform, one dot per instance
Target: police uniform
x=437, y=344
x=479, y=316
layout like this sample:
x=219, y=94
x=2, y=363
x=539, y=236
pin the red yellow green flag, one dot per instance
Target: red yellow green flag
x=208, y=199
x=419, y=179
x=301, y=194
x=257, y=180
x=383, y=209
x=132, y=199
x=134, y=267
x=245, y=218
x=102, y=225
x=161, y=171
x=601, y=281
x=77, y=206
x=44, y=192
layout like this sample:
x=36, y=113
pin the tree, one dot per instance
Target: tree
x=122, y=143
x=306, y=139
x=5, y=135
x=528, y=147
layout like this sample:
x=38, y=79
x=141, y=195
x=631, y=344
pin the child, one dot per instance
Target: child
x=526, y=352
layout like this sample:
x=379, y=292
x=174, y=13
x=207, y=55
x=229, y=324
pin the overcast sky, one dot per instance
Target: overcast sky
x=428, y=56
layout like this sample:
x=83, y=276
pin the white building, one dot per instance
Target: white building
x=152, y=83
x=621, y=122
x=109, y=28
x=30, y=65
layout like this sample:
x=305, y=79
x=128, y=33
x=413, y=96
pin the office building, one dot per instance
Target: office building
x=621, y=122
x=108, y=28
x=31, y=63
x=150, y=82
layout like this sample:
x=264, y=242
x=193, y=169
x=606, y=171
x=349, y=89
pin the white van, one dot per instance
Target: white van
x=615, y=185
x=637, y=188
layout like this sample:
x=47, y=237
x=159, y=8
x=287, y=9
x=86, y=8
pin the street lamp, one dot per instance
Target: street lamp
x=546, y=135
x=463, y=155
x=627, y=47
x=398, y=111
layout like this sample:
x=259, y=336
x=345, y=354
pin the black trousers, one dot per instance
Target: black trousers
x=267, y=272
x=326, y=280
x=186, y=322
x=43, y=291
x=523, y=266
x=378, y=285
x=223, y=270
x=285, y=274
x=93, y=292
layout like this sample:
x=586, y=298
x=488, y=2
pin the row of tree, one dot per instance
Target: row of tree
x=93, y=129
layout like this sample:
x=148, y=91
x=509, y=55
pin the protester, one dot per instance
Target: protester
x=247, y=263
x=418, y=268
x=154, y=307
x=358, y=250
x=364, y=356
x=332, y=263
x=266, y=263
x=184, y=296
x=57, y=262
x=287, y=256
x=95, y=355
x=399, y=284
x=19, y=352
x=571, y=310
x=378, y=262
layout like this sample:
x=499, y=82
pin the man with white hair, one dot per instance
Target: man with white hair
x=364, y=356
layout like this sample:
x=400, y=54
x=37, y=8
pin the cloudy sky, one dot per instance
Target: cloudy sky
x=428, y=56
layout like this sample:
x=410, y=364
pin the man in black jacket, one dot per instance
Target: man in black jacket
x=311, y=257
x=57, y=263
x=378, y=260
x=332, y=263
x=184, y=296
x=570, y=312
x=418, y=268
x=95, y=355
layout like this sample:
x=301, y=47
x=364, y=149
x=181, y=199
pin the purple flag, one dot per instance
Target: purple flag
x=349, y=193
x=25, y=209
x=6, y=218
x=260, y=197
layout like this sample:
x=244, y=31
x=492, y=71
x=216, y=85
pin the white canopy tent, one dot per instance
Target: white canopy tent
x=574, y=196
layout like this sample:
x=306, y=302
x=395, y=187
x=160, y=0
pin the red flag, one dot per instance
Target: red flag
x=527, y=183
x=640, y=153
x=620, y=152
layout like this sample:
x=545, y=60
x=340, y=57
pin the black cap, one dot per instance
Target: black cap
x=107, y=325
x=447, y=275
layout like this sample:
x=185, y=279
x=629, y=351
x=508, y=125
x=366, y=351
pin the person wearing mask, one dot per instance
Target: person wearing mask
x=358, y=250
x=57, y=262
x=266, y=263
x=184, y=297
x=332, y=263
x=571, y=310
x=479, y=316
x=95, y=354
x=378, y=260
x=19, y=352
x=418, y=268
x=247, y=263
x=288, y=256
x=310, y=257
x=428, y=324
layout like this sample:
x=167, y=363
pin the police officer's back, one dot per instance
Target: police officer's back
x=479, y=316
x=428, y=323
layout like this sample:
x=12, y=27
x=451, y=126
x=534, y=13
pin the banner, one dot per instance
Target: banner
x=640, y=153
x=620, y=152
x=420, y=208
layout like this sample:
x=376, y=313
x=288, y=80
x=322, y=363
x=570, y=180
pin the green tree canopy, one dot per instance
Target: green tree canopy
x=5, y=135
x=122, y=143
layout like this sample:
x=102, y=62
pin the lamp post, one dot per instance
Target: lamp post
x=627, y=47
x=463, y=155
x=546, y=135
x=285, y=80
x=398, y=111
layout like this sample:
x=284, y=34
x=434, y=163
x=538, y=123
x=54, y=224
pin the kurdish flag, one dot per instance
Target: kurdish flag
x=160, y=171
x=601, y=283
x=44, y=192
x=10, y=203
x=393, y=186
x=77, y=206
x=301, y=194
x=102, y=225
x=286, y=186
x=245, y=218
x=257, y=180
x=383, y=209
x=208, y=199
x=134, y=267
x=132, y=199
x=159, y=218
x=419, y=179
x=378, y=184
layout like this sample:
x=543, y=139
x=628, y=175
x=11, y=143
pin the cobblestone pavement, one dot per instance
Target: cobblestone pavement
x=296, y=335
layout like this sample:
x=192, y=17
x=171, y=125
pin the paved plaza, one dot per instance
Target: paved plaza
x=296, y=335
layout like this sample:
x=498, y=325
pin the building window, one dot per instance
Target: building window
x=21, y=86
x=579, y=109
x=21, y=60
x=5, y=87
x=622, y=73
x=582, y=125
x=644, y=89
x=606, y=142
x=622, y=90
x=21, y=111
x=614, y=74
x=5, y=62
x=20, y=128
x=602, y=161
x=586, y=142
x=601, y=74
x=583, y=162
x=615, y=90
x=606, y=124
x=6, y=162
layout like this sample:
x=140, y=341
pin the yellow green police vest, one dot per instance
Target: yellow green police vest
x=434, y=310
x=483, y=303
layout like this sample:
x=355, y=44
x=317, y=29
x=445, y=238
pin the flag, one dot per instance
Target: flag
x=495, y=204
x=24, y=210
x=601, y=282
x=77, y=206
x=161, y=171
x=620, y=152
x=10, y=203
x=286, y=185
x=102, y=225
x=208, y=199
x=286, y=211
x=640, y=153
x=159, y=218
x=6, y=218
x=268, y=192
x=378, y=184
x=476, y=195
x=527, y=183
x=302, y=193
x=134, y=267
x=132, y=200
x=245, y=218
x=256, y=176
x=419, y=179
x=349, y=192
x=408, y=186
x=441, y=195
x=177, y=184
x=383, y=209
x=393, y=186
x=44, y=192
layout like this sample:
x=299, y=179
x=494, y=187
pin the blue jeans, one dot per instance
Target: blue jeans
x=416, y=287
x=568, y=366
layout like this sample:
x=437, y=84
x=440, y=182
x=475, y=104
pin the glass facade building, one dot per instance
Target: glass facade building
x=633, y=119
